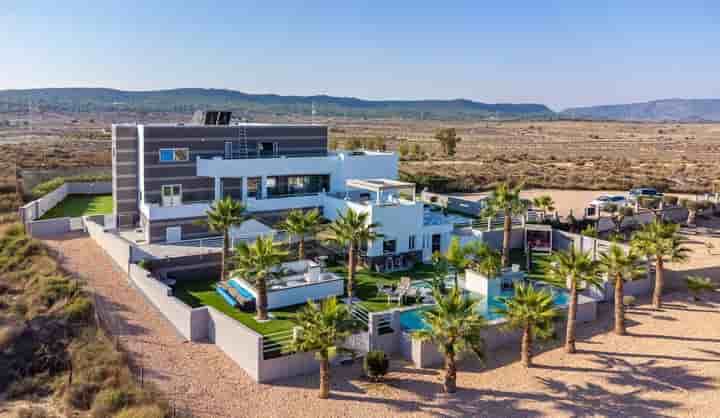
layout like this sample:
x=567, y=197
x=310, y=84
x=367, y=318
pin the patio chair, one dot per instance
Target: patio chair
x=402, y=290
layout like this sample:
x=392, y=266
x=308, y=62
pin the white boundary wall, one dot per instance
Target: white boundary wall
x=38, y=207
x=240, y=343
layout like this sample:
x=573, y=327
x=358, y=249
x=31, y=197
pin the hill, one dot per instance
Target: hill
x=681, y=110
x=188, y=99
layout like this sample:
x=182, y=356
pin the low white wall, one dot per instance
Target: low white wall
x=176, y=312
x=301, y=294
x=38, y=207
x=297, y=364
x=48, y=227
x=117, y=248
x=425, y=354
x=494, y=238
x=239, y=342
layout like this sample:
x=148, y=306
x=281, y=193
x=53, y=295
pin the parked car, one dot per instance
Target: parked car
x=644, y=191
x=603, y=201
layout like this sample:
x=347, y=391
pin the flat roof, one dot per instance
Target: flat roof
x=237, y=124
x=378, y=184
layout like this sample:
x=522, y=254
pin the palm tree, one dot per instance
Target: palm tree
x=441, y=268
x=299, y=224
x=696, y=285
x=505, y=200
x=351, y=229
x=222, y=215
x=545, y=203
x=453, y=326
x=531, y=311
x=660, y=242
x=324, y=326
x=484, y=259
x=456, y=257
x=575, y=271
x=257, y=263
x=620, y=267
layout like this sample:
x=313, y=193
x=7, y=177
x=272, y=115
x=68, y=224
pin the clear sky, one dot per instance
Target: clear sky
x=561, y=53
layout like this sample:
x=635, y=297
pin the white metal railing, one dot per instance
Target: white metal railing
x=276, y=344
x=360, y=313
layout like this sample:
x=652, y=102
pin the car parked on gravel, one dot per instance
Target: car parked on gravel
x=603, y=201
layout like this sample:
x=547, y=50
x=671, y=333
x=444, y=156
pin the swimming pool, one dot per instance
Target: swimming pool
x=411, y=320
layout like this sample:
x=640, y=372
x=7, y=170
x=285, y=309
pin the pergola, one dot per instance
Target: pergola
x=380, y=186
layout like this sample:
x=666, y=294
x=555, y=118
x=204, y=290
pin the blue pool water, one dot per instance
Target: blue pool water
x=241, y=289
x=413, y=319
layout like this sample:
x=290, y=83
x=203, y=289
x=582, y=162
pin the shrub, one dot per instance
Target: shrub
x=33, y=412
x=81, y=395
x=376, y=364
x=109, y=401
x=80, y=309
x=628, y=300
x=144, y=411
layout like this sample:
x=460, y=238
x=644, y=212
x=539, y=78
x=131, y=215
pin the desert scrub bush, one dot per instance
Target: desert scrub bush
x=80, y=309
x=34, y=412
x=143, y=411
x=81, y=395
x=109, y=401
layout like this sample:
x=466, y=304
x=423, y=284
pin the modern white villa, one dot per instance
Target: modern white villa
x=166, y=176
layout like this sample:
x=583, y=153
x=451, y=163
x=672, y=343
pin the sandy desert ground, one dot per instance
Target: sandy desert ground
x=669, y=365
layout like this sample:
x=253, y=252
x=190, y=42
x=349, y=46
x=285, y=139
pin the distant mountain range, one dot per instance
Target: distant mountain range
x=185, y=100
x=249, y=105
x=681, y=110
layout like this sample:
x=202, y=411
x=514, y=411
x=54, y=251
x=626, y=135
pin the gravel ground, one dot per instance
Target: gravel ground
x=668, y=367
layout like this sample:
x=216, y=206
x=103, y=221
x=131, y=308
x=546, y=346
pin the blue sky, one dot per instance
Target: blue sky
x=561, y=53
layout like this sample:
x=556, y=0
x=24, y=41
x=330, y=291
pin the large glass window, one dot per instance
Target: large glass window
x=389, y=246
x=253, y=187
x=278, y=186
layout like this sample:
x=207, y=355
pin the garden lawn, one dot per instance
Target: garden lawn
x=81, y=205
x=366, y=284
x=197, y=293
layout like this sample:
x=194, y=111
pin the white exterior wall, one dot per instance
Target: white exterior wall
x=397, y=222
x=340, y=167
x=301, y=294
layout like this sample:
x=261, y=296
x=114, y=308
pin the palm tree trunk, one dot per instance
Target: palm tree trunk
x=224, y=255
x=659, y=283
x=572, y=314
x=450, y=384
x=261, y=299
x=324, y=376
x=507, y=225
x=619, y=306
x=526, y=346
x=351, y=270
x=301, y=248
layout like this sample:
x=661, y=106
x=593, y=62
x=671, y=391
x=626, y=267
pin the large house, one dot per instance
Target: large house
x=166, y=176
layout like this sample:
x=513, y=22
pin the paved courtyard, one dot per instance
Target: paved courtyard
x=668, y=367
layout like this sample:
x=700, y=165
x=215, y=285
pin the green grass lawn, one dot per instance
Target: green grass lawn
x=81, y=205
x=366, y=284
x=198, y=293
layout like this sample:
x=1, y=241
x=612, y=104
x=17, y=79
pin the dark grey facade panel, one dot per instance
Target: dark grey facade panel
x=127, y=144
x=231, y=182
x=126, y=195
x=125, y=182
x=194, y=183
x=169, y=171
x=124, y=170
x=127, y=206
x=125, y=157
x=125, y=131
